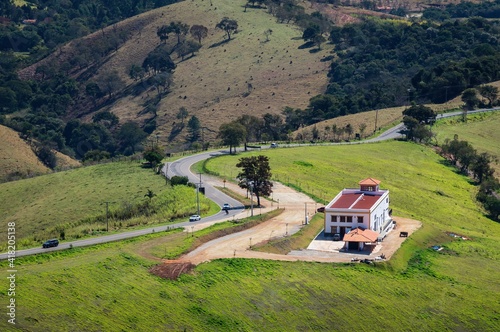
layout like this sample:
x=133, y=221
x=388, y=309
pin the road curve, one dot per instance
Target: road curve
x=182, y=167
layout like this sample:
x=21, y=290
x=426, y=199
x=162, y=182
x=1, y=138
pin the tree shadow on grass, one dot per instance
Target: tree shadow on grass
x=308, y=44
x=219, y=43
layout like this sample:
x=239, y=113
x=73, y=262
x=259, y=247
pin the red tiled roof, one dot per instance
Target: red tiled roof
x=369, y=182
x=345, y=201
x=366, y=202
x=361, y=235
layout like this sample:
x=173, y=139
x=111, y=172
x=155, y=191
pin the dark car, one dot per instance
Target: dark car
x=321, y=209
x=336, y=237
x=50, y=243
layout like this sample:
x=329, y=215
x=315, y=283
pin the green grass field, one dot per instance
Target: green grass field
x=481, y=130
x=74, y=202
x=109, y=287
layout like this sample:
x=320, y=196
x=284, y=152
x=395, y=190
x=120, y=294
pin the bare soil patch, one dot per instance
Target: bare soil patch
x=171, y=270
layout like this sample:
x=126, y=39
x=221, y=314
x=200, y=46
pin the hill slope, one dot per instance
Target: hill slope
x=17, y=157
x=211, y=84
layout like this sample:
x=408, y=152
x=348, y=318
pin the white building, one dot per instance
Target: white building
x=366, y=208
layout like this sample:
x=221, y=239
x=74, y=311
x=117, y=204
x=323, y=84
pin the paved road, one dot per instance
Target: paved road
x=181, y=167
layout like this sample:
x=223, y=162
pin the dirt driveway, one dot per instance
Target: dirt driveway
x=288, y=222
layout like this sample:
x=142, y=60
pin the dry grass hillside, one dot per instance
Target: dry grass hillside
x=212, y=84
x=16, y=156
x=18, y=159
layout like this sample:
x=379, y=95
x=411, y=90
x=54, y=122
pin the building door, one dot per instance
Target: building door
x=353, y=245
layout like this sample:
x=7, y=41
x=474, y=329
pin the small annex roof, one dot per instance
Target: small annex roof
x=369, y=182
x=361, y=235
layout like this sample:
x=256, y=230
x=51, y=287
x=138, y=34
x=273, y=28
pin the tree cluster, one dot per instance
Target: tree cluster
x=478, y=165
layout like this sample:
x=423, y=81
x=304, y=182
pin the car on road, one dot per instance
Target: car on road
x=50, y=243
x=226, y=206
x=321, y=209
x=336, y=237
x=274, y=145
x=194, y=217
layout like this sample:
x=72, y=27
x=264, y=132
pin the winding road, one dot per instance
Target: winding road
x=182, y=167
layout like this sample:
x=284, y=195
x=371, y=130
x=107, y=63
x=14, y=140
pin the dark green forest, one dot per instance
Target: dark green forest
x=34, y=30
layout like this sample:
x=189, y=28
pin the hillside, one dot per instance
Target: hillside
x=17, y=159
x=212, y=84
x=16, y=156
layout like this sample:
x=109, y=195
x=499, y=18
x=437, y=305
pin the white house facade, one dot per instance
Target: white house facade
x=366, y=208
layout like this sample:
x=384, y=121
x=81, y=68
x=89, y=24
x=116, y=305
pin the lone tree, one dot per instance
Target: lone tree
x=255, y=176
x=199, y=32
x=232, y=134
x=489, y=92
x=228, y=25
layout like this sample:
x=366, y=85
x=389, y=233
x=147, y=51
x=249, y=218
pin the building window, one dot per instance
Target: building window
x=342, y=218
x=334, y=218
x=349, y=219
x=360, y=220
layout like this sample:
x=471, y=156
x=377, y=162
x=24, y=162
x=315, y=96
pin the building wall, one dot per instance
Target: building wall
x=373, y=219
x=380, y=214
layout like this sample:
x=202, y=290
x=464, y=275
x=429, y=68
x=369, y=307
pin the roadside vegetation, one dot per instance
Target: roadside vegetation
x=72, y=204
x=419, y=288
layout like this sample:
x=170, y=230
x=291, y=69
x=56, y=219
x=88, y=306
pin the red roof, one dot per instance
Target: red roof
x=369, y=182
x=361, y=235
x=345, y=201
x=366, y=202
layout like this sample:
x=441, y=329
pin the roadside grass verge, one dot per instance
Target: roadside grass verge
x=71, y=204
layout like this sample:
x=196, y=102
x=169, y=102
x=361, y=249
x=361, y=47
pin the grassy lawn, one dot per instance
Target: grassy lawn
x=109, y=288
x=73, y=202
x=480, y=130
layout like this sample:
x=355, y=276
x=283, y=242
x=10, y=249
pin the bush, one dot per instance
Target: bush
x=179, y=180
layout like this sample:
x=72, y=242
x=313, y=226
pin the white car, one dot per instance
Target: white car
x=226, y=206
x=194, y=217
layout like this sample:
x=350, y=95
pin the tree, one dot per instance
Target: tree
x=421, y=113
x=92, y=89
x=153, y=155
x=159, y=60
x=182, y=114
x=481, y=167
x=232, y=134
x=110, y=82
x=161, y=80
x=267, y=33
x=199, y=32
x=8, y=100
x=228, y=25
x=136, y=72
x=489, y=92
x=349, y=130
x=150, y=194
x=362, y=128
x=255, y=175
x=130, y=134
x=469, y=97
x=162, y=32
x=194, y=128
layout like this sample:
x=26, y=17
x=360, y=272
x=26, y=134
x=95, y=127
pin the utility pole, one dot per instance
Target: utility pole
x=251, y=199
x=198, y=195
x=376, y=118
x=305, y=214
